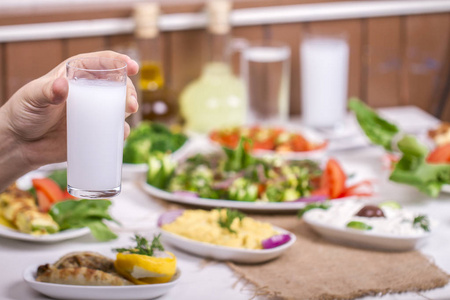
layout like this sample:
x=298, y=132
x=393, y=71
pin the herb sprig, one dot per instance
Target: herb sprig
x=423, y=222
x=311, y=206
x=142, y=246
x=225, y=222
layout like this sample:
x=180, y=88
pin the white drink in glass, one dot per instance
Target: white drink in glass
x=95, y=133
x=324, y=72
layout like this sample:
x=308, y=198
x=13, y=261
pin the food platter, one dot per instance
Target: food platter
x=64, y=291
x=366, y=239
x=48, y=238
x=227, y=253
x=212, y=203
x=392, y=230
x=309, y=134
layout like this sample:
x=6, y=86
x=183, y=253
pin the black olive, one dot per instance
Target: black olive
x=370, y=211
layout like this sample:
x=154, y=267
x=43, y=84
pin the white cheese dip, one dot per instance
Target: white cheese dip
x=397, y=222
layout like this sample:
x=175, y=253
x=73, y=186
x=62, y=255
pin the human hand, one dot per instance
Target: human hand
x=36, y=114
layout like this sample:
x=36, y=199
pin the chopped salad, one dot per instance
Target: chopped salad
x=235, y=174
x=272, y=139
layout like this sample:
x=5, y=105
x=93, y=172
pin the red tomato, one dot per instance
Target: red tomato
x=68, y=196
x=440, y=155
x=263, y=145
x=44, y=203
x=299, y=143
x=49, y=188
x=333, y=179
x=323, y=191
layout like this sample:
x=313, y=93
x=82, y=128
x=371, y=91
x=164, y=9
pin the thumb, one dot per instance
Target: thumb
x=53, y=92
x=59, y=91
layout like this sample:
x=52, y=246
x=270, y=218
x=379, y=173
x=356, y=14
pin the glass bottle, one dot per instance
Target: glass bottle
x=157, y=102
x=217, y=99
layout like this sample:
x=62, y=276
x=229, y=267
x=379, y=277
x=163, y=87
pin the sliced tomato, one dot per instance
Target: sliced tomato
x=44, y=202
x=333, y=179
x=50, y=188
x=440, y=155
x=267, y=144
x=299, y=143
x=323, y=191
x=68, y=196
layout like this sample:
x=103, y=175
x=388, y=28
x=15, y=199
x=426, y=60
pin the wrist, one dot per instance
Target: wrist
x=13, y=163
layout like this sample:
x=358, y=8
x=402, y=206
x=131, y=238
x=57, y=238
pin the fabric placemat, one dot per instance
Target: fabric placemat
x=314, y=268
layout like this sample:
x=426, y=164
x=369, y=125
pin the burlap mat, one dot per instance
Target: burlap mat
x=314, y=268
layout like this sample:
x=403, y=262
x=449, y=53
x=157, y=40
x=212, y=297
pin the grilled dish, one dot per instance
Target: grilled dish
x=82, y=268
x=20, y=209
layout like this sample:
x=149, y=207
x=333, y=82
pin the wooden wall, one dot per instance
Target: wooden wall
x=393, y=60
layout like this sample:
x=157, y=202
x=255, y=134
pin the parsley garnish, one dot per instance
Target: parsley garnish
x=422, y=221
x=229, y=218
x=313, y=205
x=143, y=247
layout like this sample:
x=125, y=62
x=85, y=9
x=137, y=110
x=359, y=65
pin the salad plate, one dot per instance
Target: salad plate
x=274, y=137
x=48, y=238
x=187, y=199
x=224, y=253
x=391, y=236
x=64, y=291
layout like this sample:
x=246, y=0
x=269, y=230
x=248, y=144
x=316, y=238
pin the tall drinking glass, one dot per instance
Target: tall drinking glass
x=95, y=126
x=324, y=70
x=266, y=71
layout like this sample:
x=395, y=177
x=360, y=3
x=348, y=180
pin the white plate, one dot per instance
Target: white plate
x=367, y=239
x=227, y=253
x=241, y=205
x=48, y=238
x=64, y=291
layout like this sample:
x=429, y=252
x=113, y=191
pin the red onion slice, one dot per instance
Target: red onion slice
x=169, y=217
x=315, y=198
x=275, y=241
x=185, y=194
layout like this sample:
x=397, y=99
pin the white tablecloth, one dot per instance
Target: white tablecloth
x=213, y=280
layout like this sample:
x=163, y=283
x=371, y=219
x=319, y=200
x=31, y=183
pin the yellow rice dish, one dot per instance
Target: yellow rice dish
x=203, y=226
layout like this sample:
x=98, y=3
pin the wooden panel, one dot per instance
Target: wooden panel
x=426, y=53
x=84, y=45
x=291, y=35
x=26, y=61
x=3, y=98
x=383, y=63
x=352, y=30
x=187, y=57
x=249, y=33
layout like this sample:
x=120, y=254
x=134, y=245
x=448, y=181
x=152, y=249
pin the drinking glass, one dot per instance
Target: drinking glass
x=265, y=67
x=95, y=126
x=324, y=73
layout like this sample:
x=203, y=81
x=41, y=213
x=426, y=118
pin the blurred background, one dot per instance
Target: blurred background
x=399, y=50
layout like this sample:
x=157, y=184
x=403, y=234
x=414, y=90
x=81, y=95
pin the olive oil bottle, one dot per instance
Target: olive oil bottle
x=157, y=101
x=217, y=99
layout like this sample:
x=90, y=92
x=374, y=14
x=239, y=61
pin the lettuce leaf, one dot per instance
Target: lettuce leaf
x=71, y=214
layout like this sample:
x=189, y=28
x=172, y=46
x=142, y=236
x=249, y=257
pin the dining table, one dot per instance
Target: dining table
x=202, y=278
